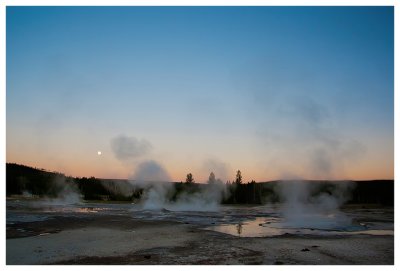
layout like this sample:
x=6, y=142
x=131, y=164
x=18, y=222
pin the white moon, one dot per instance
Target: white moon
x=99, y=153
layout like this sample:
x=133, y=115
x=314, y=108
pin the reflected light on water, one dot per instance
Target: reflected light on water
x=263, y=227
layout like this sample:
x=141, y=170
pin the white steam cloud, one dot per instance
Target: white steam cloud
x=126, y=148
x=208, y=198
x=155, y=180
x=159, y=190
x=303, y=207
x=63, y=193
x=150, y=171
x=216, y=166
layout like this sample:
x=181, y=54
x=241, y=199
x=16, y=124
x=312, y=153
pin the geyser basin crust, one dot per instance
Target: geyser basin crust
x=116, y=235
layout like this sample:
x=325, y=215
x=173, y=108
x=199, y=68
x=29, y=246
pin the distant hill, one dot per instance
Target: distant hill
x=21, y=179
x=24, y=179
x=367, y=191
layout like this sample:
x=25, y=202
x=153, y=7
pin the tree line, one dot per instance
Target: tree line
x=22, y=179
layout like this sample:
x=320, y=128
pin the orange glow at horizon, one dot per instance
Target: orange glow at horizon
x=114, y=170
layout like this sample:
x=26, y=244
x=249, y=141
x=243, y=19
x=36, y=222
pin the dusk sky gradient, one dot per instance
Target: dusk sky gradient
x=277, y=92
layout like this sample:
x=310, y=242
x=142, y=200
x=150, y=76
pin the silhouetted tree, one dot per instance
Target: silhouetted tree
x=238, y=180
x=189, y=178
x=211, y=178
x=251, y=192
x=42, y=183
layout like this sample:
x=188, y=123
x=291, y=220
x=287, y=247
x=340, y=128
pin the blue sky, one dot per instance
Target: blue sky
x=278, y=92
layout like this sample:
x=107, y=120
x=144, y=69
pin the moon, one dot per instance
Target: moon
x=98, y=152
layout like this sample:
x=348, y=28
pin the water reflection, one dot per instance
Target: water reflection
x=257, y=221
x=262, y=227
x=239, y=228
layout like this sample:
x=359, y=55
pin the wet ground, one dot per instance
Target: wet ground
x=253, y=234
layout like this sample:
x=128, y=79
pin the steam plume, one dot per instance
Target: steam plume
x=216, y=166
x=126, y=148
x=150, y=171
x=304, y=208
x=159, y=191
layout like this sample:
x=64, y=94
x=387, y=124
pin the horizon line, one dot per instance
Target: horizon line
x=205, y=181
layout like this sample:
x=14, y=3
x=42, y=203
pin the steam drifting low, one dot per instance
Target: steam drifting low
x=303, y=207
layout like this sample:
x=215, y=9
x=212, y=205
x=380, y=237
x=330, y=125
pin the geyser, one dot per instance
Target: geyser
x=305, y=206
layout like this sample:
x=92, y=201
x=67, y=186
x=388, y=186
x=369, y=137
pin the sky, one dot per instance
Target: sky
x=158, y=92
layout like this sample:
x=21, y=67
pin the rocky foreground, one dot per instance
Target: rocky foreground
x=119, y=239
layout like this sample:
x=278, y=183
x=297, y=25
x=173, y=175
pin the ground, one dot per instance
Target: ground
x=123, y=239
